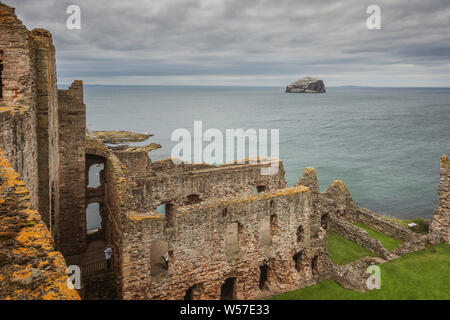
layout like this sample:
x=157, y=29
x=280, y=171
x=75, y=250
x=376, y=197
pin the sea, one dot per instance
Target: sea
x=384, y=143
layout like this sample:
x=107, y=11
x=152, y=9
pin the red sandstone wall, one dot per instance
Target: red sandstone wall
x=70, y=211
x=440, y=224
x=30, y=267
x=197, y=244
x=213, y=182
x=47, y=117
x=18, y=106
x=117, y=202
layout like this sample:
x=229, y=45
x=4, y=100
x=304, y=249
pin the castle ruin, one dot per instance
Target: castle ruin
x=230, y=232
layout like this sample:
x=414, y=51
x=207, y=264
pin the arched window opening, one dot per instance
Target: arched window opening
x=94, y=175
x=300, y=234
x=193, y=199
x=225, y=212
x=167, y=210
x=263, y=271
x=169, y=215
x=228, y=289
x=93, y=218
x=193, y=293
x=159, y=257
x=260, y=189
x=324, y=221
x=298, y=259
x=189, y=294
x=161, y=208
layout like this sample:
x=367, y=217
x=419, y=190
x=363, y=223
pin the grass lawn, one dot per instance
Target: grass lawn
x=421, y=227
x=343, y=251
x=421, y=275
x=387, y=241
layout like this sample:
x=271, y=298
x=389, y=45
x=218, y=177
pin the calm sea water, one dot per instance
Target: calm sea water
x=384, y=143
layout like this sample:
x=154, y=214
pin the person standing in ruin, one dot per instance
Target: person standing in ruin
x=108, y=255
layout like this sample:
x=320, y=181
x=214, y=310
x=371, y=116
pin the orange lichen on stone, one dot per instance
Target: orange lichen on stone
x=33, y=269
x=339, y=184
x=445, y=161
x=286, y=192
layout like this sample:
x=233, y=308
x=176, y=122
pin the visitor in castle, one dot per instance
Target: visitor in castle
x=108, y=254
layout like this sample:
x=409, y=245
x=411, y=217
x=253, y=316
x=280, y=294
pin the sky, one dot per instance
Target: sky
x=247, y=42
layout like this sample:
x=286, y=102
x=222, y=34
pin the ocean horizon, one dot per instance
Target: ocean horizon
x=384, y=143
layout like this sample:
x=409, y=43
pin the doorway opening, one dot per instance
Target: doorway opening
x=263, y=270
x=227, y=291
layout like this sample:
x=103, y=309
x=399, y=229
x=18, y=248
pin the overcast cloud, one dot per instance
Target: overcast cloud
x=247, y=42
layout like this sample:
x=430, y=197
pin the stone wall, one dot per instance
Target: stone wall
x=383, y=225
x=175, y=184
x=70, y=211
x=359, y=236
x=18, y=103
x=117, y=202
x=137, y=163
x=354, y=275
x=196, y=237
x=46, y=119
x=440, y=224
x=30, y=268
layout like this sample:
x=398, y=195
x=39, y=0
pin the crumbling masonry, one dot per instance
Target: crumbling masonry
x=230, y=232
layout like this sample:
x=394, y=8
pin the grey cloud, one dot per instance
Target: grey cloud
x=277, y=38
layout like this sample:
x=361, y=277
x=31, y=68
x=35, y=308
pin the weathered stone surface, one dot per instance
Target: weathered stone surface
x=353, y=275
x=118, y=137
x=30, y=268
x=440, y=224
x=306, y=85
x=197, y=247
x=167, y=182
x=359, y=236
x=18, y=134
x=309, y=179
x=221, y=222
x=70, y=211
x=383, y=225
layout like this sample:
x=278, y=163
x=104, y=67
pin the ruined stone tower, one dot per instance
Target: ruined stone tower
x=43, y=129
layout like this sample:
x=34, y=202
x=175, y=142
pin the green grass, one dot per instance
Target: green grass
x=343, y=251
x=421, y=275
x=422, y=224
x=388, y=242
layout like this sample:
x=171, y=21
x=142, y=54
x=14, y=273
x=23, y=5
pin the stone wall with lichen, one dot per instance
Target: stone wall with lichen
x=117, y=201
x=30, y=268
x=170, y=183
x=18, y=137
x=196, y=237
x=440, y=224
